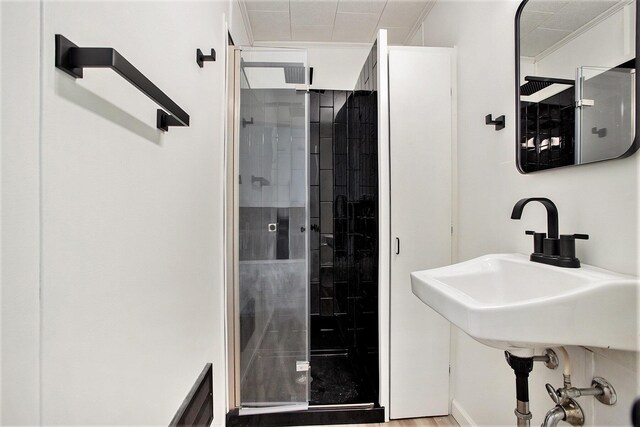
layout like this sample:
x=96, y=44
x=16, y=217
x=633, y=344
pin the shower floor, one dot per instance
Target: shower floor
x=336, y=380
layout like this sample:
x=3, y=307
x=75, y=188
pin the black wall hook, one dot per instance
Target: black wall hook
x=499, y=122
x=201, y=57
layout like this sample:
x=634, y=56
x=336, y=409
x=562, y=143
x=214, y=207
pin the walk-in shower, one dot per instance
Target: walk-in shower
x=306, y=290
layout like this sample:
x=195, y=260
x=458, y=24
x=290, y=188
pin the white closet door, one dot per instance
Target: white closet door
x=420, y=101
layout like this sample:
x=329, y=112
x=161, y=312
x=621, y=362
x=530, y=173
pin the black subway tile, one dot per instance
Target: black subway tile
x=314, y=201
x=340, y=138
x=326, y=307
x=326, y=185
x=340, y=169
x=326, y=255
x=326, y=98
x=314, y=107
x=326, y=217
x=314, y=138
x=314, y=169
x=314, y=296
x=326, y=122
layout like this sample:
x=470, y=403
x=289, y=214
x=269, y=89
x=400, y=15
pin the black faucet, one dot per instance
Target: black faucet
x=549, y=248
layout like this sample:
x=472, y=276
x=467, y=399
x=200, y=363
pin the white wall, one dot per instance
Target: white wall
x=335, y=66
x=112, y=283
x=598, y=199
x=20, y=317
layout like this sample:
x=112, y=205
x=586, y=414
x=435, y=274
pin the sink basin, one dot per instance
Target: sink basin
x=508, y=302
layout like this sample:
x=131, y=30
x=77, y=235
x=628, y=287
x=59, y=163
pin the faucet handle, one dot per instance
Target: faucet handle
x=553, y=394
x=538, y=238
x=568, y=246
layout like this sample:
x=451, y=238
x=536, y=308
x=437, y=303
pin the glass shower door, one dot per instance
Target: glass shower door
x=606, y=112
x=273, y=336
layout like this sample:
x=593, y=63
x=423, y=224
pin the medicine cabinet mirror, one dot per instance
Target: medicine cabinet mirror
x=576, y=94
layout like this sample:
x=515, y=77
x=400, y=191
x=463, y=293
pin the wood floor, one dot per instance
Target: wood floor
x=413, y=422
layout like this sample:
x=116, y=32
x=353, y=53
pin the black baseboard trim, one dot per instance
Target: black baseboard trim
x=320, y=416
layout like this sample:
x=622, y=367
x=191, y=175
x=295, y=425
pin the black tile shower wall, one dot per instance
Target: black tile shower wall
x=328, y=179
x=362, y=216
x=321, y=194
x=548, y=132
x=344, y=239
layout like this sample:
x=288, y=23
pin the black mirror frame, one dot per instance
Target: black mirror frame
x=634, y=145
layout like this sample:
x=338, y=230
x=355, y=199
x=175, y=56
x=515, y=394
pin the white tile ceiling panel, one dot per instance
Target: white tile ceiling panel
x=545, y=22
x=312, y=33
x=397, y=36
x=575, y=14
x=354, y=27
x=530, y=20
x=268, y=5
x=348, y=20
x=401, y=13
x=270, y=25
x=540, y=39
x=312, y=12
x=545, y=5
x=361, y=6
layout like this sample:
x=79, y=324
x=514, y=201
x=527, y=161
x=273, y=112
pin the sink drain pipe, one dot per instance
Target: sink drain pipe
x=521, y=366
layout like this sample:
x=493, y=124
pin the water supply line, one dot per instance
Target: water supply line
x=567, y=408
x=566, y=367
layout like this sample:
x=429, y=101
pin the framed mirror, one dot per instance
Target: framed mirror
x=576, y=92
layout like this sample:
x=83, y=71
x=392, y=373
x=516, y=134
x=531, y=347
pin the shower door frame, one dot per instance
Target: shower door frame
x=231, y=222
x=232, y=330
x=232, y=229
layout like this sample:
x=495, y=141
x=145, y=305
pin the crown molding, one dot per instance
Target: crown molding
x=245, y=19
x=418, y=25
x=318, y=45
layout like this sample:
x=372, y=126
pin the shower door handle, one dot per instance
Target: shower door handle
x=397, y=246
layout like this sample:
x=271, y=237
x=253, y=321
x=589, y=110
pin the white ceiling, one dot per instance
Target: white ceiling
x=354, y=21
x=544, y=23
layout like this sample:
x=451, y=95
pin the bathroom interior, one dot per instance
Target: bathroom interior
x=323, y=212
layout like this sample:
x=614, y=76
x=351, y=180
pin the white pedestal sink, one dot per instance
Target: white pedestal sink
x=508, y=302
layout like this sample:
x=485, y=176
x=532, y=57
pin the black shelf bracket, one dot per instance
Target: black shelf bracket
x=201, y=58
x=499, y=122
x=73, y=59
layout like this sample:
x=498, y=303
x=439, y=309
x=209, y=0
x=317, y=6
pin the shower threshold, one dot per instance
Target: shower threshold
x=356, y=413
x=344, y=406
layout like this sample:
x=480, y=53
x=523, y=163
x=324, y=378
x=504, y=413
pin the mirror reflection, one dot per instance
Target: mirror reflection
x=576, y=82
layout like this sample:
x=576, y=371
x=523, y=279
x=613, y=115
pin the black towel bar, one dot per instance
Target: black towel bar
x=73, y=59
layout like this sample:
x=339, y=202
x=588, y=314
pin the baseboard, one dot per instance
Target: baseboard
x=461, y=416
